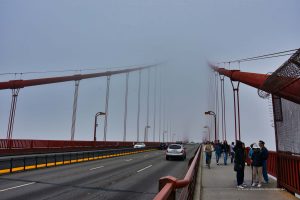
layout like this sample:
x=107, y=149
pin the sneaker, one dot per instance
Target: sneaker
x=266, y=182
x=244, y=185
x=259, y=185
x=240, y=187
x=253, y=184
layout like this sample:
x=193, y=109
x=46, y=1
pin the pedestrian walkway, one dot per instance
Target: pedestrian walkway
x=219, y=182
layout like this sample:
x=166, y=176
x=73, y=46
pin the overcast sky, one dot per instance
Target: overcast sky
x=46, y=35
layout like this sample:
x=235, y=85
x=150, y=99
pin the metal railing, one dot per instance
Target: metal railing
x=169, y=184
x=23, y=146
x=28, y=162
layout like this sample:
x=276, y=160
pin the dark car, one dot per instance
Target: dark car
x=163, y=146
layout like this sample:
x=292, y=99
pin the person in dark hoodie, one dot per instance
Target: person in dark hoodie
x=239, y=163
x=257, y=163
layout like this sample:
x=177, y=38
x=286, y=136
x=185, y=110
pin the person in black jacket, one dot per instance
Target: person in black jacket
x=226, y=151
x=257, y=163
x=239, y=163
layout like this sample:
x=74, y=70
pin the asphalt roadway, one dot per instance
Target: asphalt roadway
x=128, y=177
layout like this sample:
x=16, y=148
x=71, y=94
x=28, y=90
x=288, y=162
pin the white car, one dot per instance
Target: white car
x=175, y=151
x=139, y=145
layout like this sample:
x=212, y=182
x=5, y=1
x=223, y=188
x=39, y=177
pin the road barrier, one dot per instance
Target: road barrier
x=29, y=162
x=169, y=184
x=286, y=168
x=21, y=146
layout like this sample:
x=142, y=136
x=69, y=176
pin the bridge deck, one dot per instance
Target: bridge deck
x=219, y=182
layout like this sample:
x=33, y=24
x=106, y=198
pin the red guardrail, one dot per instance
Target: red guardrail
x=169, y=184
x=288, y=174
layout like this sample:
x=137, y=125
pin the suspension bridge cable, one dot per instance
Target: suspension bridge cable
x=261, y=57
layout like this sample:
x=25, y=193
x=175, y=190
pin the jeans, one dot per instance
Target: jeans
x=218, y=155
x=208, y=157
x=264, y=171
x=225, y=158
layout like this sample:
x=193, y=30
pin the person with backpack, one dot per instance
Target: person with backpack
x=208, y=149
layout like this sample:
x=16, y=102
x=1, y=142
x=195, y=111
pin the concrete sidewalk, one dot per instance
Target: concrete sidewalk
x=219, y=182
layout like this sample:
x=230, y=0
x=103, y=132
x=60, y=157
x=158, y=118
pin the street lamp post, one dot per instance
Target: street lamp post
x=214, y=114
x=96, y=124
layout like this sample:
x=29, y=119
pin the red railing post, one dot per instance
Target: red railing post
x=163, y=182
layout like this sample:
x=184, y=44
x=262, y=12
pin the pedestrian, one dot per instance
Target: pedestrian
x=257, y=163
x=218, y=151
x=208, y=153
x=239, y=163
x=225, y=149
x=245, y=158
x=265, y=154
x=250, y=156
x=232, y=151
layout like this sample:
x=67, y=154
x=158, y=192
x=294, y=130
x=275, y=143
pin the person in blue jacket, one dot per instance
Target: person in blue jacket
x=264, y=154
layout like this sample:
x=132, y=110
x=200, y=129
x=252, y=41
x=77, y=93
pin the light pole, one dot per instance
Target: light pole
x=208, y=132
x=96, y=124
x=214, y=114
x=146, y=133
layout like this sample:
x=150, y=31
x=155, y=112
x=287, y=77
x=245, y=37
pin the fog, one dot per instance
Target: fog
x=182, y=34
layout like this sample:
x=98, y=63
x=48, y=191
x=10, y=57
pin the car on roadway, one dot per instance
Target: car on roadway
x=163, y=146
x=175, y=151
x=139, y=145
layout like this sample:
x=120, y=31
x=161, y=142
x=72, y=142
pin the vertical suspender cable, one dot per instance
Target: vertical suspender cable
x=217, y=105
x=164, y=107
x=238, y=108
x=15, y=93
x=148, y=101
x=126, y=102
x=159, y=109
x=106, y=107
x=139, y=107
x=154, y=107
x=222, y=108
x=74, y=109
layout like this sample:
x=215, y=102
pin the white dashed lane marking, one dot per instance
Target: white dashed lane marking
x=96, y=168
x=144, y=168
x=17, y=186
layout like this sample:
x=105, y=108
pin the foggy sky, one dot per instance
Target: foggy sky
x=71, y=34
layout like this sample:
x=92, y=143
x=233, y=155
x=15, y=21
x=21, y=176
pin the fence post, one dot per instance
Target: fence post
x=11, y=165
x=168, y=179
x=24, y=163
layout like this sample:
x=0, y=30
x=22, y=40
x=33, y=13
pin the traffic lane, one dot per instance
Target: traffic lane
x=145, y=184
x=101, y=184
x=73, y=168
x=58, y=172
x=52, y=180
x=36, y=159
